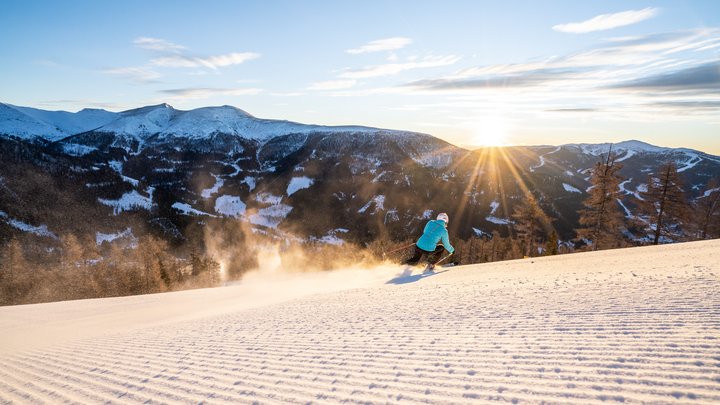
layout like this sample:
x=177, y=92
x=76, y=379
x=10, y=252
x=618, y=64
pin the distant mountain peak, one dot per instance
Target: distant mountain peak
x=148, y=108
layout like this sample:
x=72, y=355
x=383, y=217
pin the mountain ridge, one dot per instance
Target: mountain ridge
x=261, y=124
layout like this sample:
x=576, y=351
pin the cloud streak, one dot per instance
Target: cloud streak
x=139, y=75
x=211, y=62
x=332, y=85
x=608, y=21
x=704, y=78
x=194, y=93
x=395, y=68
x=387, y=44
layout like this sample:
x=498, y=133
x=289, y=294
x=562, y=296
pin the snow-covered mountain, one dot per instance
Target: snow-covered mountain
x=175, y=171
x=36, y=124
x=630, y=326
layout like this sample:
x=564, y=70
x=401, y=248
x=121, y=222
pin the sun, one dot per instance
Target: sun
x=489, y=131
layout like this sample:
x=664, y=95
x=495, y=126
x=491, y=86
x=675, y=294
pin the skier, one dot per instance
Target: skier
x=435, y=231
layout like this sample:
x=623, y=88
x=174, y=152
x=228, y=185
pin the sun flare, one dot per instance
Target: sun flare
x=490, y=131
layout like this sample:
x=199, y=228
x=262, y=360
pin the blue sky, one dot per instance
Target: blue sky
x=470, y=72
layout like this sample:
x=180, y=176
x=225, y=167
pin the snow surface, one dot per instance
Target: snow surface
x=128, y=202
x=270, y=216
x=101, y=238
x=41, y=230
x=208, y=192
x=708, y=192
x=542, y=159
x=625, y=146
x=230, y=205
x=187, y=209
x=622, y=326
x=498, y=221
x=494, y=206
x=298, y=183
x=571, y=189
x=250, y=181
x=378, y=200
x=689, y=164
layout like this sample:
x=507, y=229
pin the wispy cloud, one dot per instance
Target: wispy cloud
x=608, y=21
x=193, y=93
x=170, y=55
x=332, y=85
x=211, y=62
x=387, y=44
x=395, y=68
x=527, y=78
x=704, y=78
x=157, y=44
x=619, y=78
x=140, y=75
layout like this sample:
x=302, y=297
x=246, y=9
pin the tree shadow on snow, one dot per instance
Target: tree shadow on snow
x=407, y=277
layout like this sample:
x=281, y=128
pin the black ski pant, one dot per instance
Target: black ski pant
x=431, y=257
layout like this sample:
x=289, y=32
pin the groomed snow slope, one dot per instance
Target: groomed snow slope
x=624, y=326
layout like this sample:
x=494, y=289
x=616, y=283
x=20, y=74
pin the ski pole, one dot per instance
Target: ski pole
x=395, y=250
x=443, y=259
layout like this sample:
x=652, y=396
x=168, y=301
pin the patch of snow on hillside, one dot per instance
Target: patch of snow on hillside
x=230, y=205
x=130, y=180
x=377, y=178
x=208, y=192
x=494, y=206
x=267, y=198
x=480, y=233
x=101, y=238
x=628, y=155
x=75, y=149
x=128, y=202
x=708, y=192
x=298, y=183
x=427, y=214
x=41, y=230
x=270, y=216
x=331, y=238
x=498, y=221
x=571, y=189
x=694, y=160
x=622, y=188
x=628, y=214
x=391, y=216
x=569, y=173
x=542, y=159
x=250, y=181
x=187, y=209
x=378, y=200
x=116, y=165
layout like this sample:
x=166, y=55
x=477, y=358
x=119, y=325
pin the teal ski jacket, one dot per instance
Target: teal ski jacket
x=435, y=232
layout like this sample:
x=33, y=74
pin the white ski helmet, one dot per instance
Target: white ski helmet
x=443, y=217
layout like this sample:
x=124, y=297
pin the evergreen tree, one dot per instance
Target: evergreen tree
x=602, y=219
x=664, y=202
x=530, y=221
x=14, y=272
x=551, y=247
x=707, y=208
